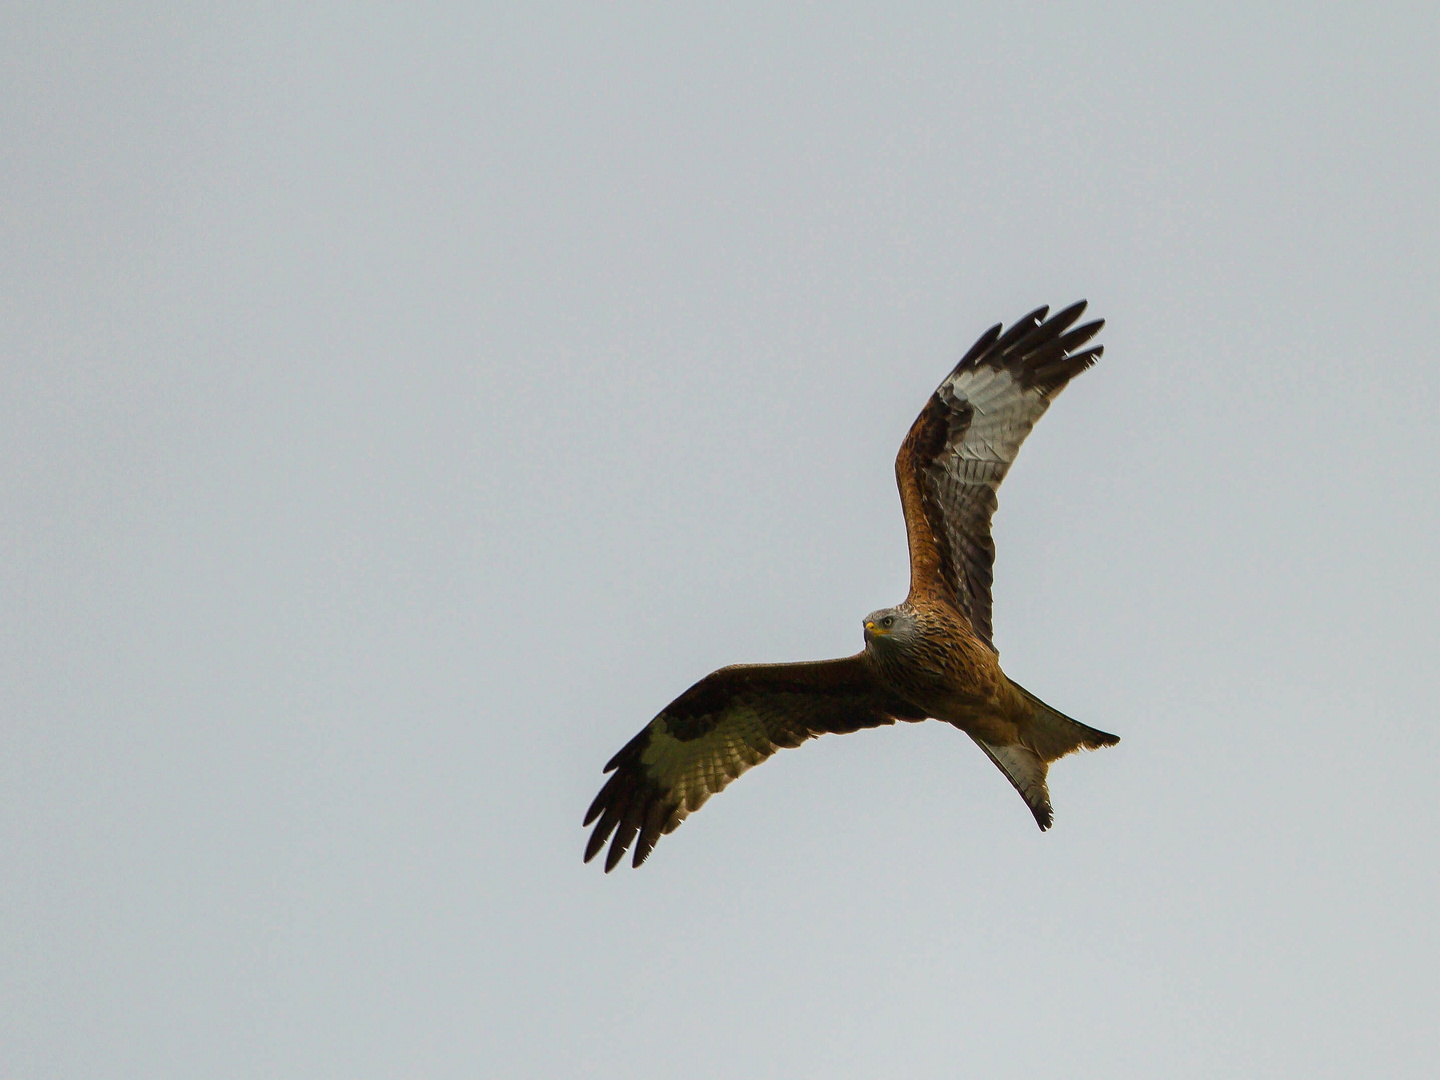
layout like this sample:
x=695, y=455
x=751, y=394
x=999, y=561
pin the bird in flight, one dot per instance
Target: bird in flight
x=929, y=657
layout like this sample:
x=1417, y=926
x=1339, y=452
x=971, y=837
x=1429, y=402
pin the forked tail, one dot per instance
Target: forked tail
x=1053, y=734
x=1049, y=735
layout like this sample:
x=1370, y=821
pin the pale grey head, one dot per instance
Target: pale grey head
x=890, y=628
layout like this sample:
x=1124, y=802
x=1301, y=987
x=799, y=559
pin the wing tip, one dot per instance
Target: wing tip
x=631, y=808
x=1041, y=345
x=594, y=844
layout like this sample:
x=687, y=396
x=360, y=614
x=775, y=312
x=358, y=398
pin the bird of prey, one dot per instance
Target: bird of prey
x=929, y=657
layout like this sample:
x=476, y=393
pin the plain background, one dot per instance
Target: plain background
x=400, y=405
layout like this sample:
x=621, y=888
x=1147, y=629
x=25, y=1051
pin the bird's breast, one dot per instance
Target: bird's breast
x=950, y=677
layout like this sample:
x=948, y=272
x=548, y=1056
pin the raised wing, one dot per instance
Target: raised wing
x=961, y=446
x=730, y=720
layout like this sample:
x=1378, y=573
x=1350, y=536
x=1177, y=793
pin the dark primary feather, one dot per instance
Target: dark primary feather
x=964, y=441
x=730, y=720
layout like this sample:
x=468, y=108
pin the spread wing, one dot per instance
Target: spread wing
x=961, y=446
x=730, y=720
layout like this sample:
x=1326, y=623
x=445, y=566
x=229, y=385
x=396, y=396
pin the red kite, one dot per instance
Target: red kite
x=931, y=656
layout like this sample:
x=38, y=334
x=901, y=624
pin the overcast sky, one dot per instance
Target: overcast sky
x=399, y=406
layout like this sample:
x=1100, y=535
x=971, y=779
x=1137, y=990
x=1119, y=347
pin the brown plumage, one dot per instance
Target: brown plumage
x=931, y=656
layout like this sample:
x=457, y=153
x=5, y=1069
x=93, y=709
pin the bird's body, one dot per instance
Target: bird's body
x=929, y=657
x=942, y=667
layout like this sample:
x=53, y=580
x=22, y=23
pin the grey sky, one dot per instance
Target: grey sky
x=399, y=407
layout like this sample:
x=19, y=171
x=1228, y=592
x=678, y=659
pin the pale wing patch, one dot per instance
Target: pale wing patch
x=1003, y=415
x=692, y=770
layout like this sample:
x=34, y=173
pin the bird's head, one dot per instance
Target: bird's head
x=888, y=626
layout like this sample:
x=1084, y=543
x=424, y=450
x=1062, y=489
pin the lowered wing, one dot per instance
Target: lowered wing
x=730, y=720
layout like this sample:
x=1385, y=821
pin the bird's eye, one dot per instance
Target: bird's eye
x=888, y=621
